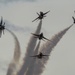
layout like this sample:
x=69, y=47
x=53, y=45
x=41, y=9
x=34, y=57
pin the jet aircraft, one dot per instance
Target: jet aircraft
x=40, y=36
x=40, y=55
x=2, y=26
x=41, y=15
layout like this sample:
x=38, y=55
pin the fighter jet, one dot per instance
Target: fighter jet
x=41, y=15
x=40, y=36
x=73, y=19
x=40, y=55
x=2, y=26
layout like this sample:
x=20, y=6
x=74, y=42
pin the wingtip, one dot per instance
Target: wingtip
x=32, y=33
x=48, y=11
x=32, y=21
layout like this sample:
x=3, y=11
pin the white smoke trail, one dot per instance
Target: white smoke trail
x=29, y=51
x=46, y=49
x=31, y=66
x=13, y=27
x=15, y=62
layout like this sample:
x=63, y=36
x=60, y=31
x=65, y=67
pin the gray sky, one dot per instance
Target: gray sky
x=9, y=1
x=22, y=13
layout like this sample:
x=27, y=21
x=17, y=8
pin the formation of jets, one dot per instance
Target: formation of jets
x=41, y=15
x=2, y=26
x=40, y=36
x=40, y=55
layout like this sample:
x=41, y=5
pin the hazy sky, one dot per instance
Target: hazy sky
x=21, y=13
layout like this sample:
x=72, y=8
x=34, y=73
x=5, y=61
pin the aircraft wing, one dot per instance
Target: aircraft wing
x=73, y=18
x=35, y=19
x=35, y=34
x=46, y=38
x=45, y=55
x=38, y=14
x=46, y=12
x=34, y=56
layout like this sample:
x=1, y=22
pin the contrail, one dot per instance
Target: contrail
x=13, y=27
x=46, y=49
x=29, y=51
x=31, y=66
x=15, y=62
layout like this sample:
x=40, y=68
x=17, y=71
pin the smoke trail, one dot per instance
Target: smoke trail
x=13, y=27
x=31, y=66
x=14, y=63
x=29, y=51
x=46, y=49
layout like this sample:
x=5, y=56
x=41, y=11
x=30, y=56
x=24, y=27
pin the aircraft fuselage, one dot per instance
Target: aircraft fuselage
x=40, y=36
x=40, y=56
x=2, y=27
x=41, y=15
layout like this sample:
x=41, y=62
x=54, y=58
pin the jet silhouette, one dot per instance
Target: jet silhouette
x=40, y=55
x=2, y=26
x=73, y=19
x=41, y=15
x=40, y=36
